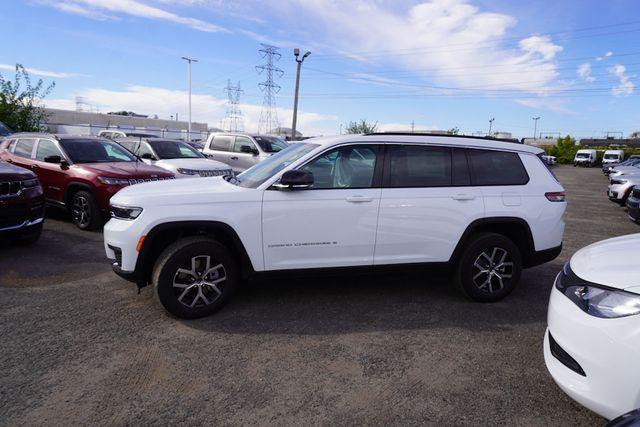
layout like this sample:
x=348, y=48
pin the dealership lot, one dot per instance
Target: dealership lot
x=79, y=344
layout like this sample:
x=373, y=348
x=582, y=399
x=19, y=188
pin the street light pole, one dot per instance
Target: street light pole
x=189, y=61
x=296, y=52
x=491, y=124
x=535, y=126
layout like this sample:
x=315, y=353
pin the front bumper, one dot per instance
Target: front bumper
x=617, y=192
x=633, y=208
x=608, y=351
x=120, y=244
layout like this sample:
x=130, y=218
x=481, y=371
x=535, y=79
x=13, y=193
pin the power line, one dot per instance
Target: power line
x=232, y=120
x=269, y=115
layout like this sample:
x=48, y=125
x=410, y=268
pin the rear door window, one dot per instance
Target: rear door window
x=418, y=166
x=492, y=167
x=221, y=143
x=24, y=147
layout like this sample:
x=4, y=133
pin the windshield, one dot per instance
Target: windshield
x=253, y=177
x=610, y=156
x=270, y=144
x=95, y=151
x=174, y=150
x=582, y=155
x=4, y=130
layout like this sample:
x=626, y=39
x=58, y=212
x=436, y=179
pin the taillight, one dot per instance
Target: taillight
x=555, y=196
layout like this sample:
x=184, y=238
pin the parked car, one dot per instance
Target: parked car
x=115, y=134
x=633, y=204
x=630, y=169
x=4, y=130
x=79, y=173
x=198, y=145
x=620, y=187
x=633, y=160
x=485, y=208
x=592, y=342
x=585, y=157
x=242, y=151
x=630, y=419
x=612, y=156
x=21, y=204
x=550, y=160
x=175, y=156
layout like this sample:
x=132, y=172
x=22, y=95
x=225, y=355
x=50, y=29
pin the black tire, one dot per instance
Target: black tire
x=85, y=212
x=176, y=290
x=499, y=280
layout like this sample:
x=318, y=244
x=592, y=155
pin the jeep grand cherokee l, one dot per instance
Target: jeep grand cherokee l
x=79, y=173
x=21, y=204
x=484, y=207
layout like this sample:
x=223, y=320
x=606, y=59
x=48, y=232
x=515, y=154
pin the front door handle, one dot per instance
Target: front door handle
x=234, y=158
x=463, y=197
x=358, y=199
x=34, y=166
x=9, y=161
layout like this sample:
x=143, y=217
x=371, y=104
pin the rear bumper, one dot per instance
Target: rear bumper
x=541, y=257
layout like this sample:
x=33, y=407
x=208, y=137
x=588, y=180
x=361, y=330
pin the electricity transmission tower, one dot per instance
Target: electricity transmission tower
x=232, y=121
x=269, y=115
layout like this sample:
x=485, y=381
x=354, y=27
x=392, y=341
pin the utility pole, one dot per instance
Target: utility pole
x=269, y=114
x=189, y=61
x=296, y=53
x=340, y=128
x=535, y=126
x=413, y=126
x=491, y=124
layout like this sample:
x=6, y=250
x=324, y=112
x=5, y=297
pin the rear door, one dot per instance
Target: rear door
x=22, y=151
x=427, y=203
x=51, y=175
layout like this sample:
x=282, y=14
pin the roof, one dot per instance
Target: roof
x=58, y=136
x=452, y=140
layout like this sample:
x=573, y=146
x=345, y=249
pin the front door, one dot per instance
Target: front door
x=331, y=224
x=242, y=161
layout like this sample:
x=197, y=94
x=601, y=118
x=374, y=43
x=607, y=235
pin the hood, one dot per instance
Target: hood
x=612, y=262
x=198, y=164
x=181, y=192
x=124, y=169
x=9, y=172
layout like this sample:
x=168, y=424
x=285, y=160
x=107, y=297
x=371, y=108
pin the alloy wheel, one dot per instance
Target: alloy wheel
x=491, y=269
x=200, y=284
x=81, y=211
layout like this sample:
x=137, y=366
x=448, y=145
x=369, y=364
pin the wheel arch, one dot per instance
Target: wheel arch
x=162, y=235
x=72, y=188
x=514, y=228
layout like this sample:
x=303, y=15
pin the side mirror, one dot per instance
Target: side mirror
x=147, y=156
x=248, y=149
x=53, y=159
x=294, y=180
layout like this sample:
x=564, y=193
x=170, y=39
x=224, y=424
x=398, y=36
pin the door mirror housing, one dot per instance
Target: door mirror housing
x=295, y=180
x=147, y=156
x=53, y=159
x=249, y=150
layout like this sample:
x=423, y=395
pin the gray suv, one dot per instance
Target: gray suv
x=240, y=150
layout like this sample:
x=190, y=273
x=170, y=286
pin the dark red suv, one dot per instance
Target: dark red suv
x=21, y=204
x=80, y=173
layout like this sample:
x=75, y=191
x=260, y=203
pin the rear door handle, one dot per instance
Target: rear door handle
x=234, y=158
x=9, y=161
x=34, y=166
x=358, y=199
x=463, y=197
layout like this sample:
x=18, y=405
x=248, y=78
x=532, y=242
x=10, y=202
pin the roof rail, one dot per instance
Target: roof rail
x=489, y=138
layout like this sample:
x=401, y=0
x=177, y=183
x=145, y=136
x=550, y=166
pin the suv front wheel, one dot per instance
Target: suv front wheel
x=194, y=277
x=489, y=268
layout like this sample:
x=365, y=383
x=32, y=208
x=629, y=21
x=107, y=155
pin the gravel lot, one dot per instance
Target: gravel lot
x=80, y=347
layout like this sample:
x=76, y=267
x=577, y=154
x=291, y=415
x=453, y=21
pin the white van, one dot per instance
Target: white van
x=612, y=156
x=585, y=157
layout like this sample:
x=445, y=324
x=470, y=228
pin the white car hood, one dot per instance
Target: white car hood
x=197, y=164
x=180, y=192
x=612, y=262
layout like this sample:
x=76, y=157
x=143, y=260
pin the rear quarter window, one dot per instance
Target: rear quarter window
x=492, y=167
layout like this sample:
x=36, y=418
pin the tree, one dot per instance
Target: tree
x=21, y=102
x=564, y=150
x=453, y=131
x=361, y=127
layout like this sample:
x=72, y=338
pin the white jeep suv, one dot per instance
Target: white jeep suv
x=483, y=207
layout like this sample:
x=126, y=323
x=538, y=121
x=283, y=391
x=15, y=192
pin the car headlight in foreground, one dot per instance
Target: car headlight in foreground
x=184, y=171
x=125, y=212
x=107, y=180
x=597, y=300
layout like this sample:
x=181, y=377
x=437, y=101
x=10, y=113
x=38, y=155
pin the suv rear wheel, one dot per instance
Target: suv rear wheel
x=194, y=277
x=85, y=212
x=490, y=268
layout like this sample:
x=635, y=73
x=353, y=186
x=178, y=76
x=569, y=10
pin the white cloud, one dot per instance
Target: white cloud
x=552, y=104
x=625, y=85
x=584, y=71
x=605, y=56
x=43, y=73
x=205, y=108
x=96, y=9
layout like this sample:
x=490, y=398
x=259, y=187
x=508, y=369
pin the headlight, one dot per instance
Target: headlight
x=188, y=171
x=618, y=181
x=107, y=180
x=125, y=212
x=30, y=183
x=597, y=300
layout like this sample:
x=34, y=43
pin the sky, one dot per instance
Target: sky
x=433, y=65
